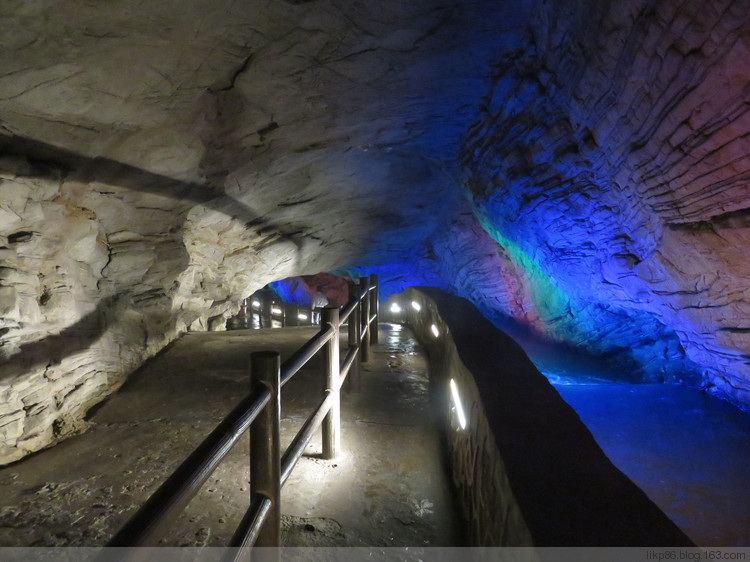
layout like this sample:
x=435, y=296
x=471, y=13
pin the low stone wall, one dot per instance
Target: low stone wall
x=527, y=470
x=484, y=493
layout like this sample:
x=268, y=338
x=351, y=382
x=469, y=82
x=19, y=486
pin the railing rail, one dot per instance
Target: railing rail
x=260, y=412
x=172, y=496
x=294, y=452
x=299, y=358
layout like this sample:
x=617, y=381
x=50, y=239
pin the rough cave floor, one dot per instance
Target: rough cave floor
x=687, y=450
x=389, y=487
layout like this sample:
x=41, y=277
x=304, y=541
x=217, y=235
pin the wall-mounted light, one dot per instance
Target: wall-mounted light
x=275, y=310
x=256, y=304
x=395, y=308
x=435, y=331
x=302, y=316
x=416, y=306
x=457, y=403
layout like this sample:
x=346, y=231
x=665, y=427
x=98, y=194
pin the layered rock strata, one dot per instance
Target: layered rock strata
x=611, y=156
x=95, y=278
x=162, y=161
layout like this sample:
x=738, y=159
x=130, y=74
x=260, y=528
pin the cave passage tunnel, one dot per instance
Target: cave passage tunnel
x=575, y=171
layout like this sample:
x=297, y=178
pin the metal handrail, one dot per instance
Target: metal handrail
x=295, y=449
x=184, y=483
x=349, y=308
x=249, y=528
x=172, y=496
x=299, y=358
x=294, y=452
x=347, y=311
x=346, y=365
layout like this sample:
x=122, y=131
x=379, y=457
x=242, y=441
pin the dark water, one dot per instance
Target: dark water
x=689, y=451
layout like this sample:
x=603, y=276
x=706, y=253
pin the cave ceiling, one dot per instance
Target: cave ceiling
x=577, y=168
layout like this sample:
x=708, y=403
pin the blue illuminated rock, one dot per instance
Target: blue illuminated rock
x=578, y=168
x=623, y=181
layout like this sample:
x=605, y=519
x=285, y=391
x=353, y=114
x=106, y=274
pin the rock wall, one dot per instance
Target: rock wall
x=162, y=161
x=97, y=277
x=609, y=160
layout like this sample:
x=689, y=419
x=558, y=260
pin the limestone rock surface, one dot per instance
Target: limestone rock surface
x=161, y=161
x=623, y=181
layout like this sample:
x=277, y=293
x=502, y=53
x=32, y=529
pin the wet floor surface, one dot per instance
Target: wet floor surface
x=389, y=486
x=689, y=451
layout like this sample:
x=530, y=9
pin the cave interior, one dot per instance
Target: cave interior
x=578, y=170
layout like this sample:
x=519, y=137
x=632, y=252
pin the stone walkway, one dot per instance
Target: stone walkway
x=389, y=487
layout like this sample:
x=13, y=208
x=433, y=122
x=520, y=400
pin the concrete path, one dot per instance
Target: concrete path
x=389, y=487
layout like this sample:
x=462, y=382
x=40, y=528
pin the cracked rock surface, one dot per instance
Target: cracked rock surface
x=621, y=185
x=162, y=162
x=575, y=167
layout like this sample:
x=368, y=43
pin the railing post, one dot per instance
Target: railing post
x=364, y=285
x=332, y=422
x=355, y=333
x=266, y=314
x=265, y=444
x=374, y=308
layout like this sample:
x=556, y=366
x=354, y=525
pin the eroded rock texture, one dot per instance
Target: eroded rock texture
x=161, y=161
x=622, y=181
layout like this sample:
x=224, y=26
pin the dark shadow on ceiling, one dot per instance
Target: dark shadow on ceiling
x=47, y=160
x=88, y=169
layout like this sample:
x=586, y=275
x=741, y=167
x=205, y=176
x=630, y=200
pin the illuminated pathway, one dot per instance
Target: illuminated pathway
x=387, y=488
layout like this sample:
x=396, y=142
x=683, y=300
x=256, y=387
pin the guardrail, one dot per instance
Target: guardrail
x=260, y=412
x=260, y=311
x=270, y=312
